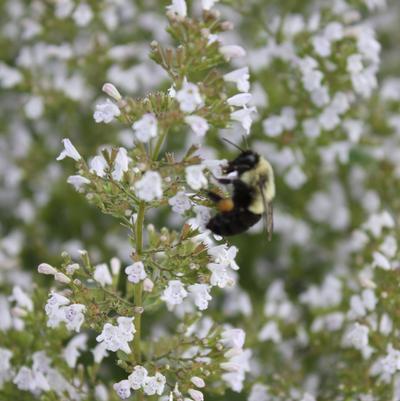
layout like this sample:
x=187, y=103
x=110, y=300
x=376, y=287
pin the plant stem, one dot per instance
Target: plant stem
x=138, y=290
x=159, y=143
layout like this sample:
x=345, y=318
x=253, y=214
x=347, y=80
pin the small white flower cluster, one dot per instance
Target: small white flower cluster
x=136, y=272
x=98, y=165
x=41, y=377
x=139, y=379
x=118, y=337
x=106, y=112
x=238, y=359
x=58, y=310
x=223, y=261
x=5, y=366
x=145, y=128
x=149, y=187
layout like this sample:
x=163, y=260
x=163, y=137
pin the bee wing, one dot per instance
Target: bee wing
x=268, y=210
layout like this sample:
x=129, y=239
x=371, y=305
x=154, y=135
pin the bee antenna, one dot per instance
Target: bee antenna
x=233, y=144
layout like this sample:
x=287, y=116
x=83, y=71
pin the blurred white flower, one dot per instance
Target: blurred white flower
x=71, y=352
x=240, y=100
x=243, y=116
x=102, y=274
x=121, y=164
x=198, y=124
x=154, y=384
x=111, y=91
x=178, y=7
x=98, y=165
x=180, y=203
x=240, y=77
x=145, y=128
x=232, y=51
x=83, y=14
x=77, y=181
x=149, y=186
x=189, y=97
x=105, y=112
x=195, y=177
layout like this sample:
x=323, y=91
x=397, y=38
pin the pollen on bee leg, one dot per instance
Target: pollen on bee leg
x=225, y=205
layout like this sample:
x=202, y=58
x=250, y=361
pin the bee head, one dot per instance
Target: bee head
x=244, y=162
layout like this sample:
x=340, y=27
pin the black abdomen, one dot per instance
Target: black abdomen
x=234, y=222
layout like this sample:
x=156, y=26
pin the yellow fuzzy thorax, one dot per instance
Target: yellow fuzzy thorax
x=252, y=177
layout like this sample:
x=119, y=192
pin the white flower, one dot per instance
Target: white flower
x=145, y=128
x=21, y=298
x=354, y=64
x=381, y=261
x=98, y=165
x=178, y=7
x=295, y=177
x=83, y=14
x=288, y=116
x=198, y=381
x=138, y=377
x=311, y=128
x=34, y=107
x=118, y=337
x=233, y=338
x=9, y=77
x=198, y=124
x=148, y=285
x=115, y=264
x=243, y=116
x=111, y=91
x=121, y=164
x=273, y=126
x=45, y=268
x=105, y=112
x=69, y=151
x=270, y=332
x=224, y=255
x=334, y=31
x=154, y=384
x=99, y=352
x=24, y=379
x=259, y=392
x=72, y=350
x=240, y=100
x=196, y=395
x=329, y=119
x=240, y=77
x=201, y=295
x=136, y=272
x=322, y=46
x=73, y=316
x=123, y=389
x=54, y=309
x=174, y=294
x=77, y=181
x=189, y=97
x=102, y=275
x=357, y=336
x=180, y=202
x=236, y=378
x=208, y=4
x=232, y=51
x=5, y=366
x=149, y=186
x=219, y=275
x=195, y=177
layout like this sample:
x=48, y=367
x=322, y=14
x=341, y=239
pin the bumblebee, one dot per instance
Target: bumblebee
x=253, y=192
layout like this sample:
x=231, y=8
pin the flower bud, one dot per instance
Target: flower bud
x=232, y=51
x=198, y=381
x=62, y=278
x=111, y=91
x=45, y=268
x=196, y=394
x=148, y=285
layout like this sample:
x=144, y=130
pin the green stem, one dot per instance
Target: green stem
x=159, y=143
x=138, y=290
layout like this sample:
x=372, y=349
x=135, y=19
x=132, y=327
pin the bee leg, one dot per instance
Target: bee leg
x=214, y=197
x=270, y=217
